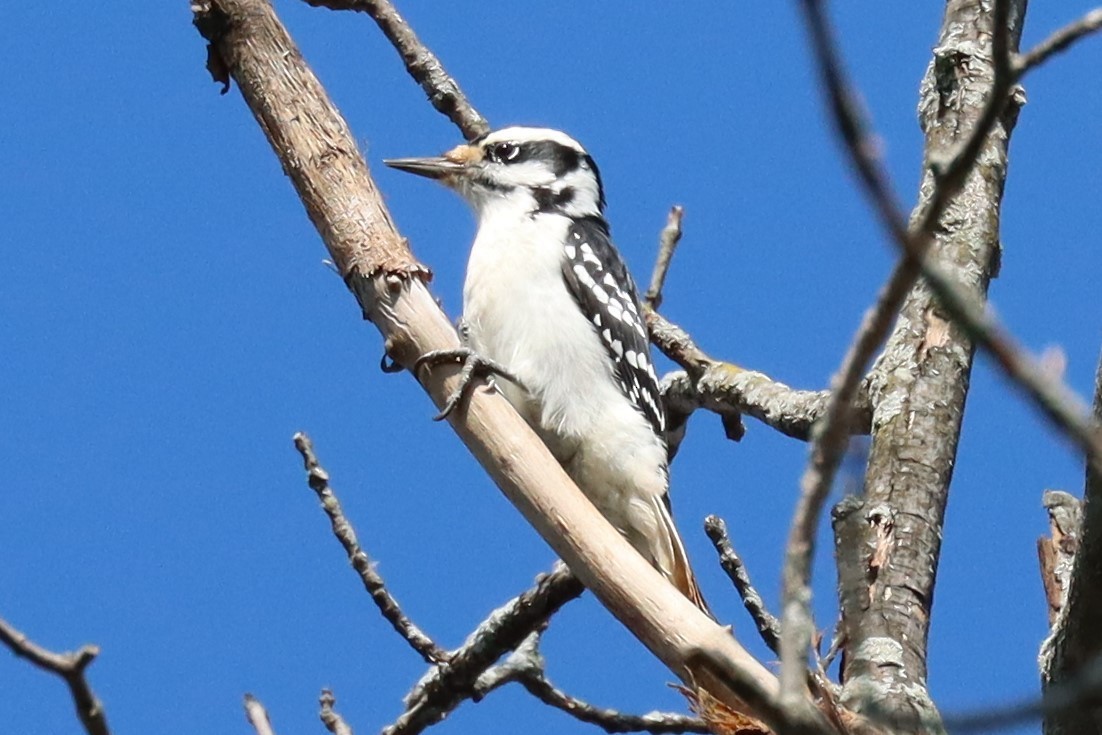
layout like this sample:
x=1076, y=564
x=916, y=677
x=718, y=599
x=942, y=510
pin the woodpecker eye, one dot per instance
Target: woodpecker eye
x=504, y=152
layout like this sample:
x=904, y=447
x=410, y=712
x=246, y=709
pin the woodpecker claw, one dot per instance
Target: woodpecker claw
x=474, y=366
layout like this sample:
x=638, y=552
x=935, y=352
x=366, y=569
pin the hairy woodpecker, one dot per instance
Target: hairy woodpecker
x=548, y=298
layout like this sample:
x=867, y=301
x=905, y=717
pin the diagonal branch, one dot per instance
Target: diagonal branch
x=313, y=142
x=318, y=480
x=448, y=684
x=769, y=627
x=442, y=89
x=525, y=666
x=1059, y=41
x=70, y=667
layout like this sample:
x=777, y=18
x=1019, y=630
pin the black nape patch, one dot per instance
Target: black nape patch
x=548, y=200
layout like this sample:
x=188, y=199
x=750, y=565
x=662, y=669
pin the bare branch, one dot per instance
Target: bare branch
x=333, y=722
x=525, y=666
x=1073, y=651
x=258, y=716
x=768, y=626
x=730, y=391
x=318, y=480
x=830, y=439
x=950, y=112
x=1058, y=42
x=445, y=686
x=322, y=159
x=667, y=244
x=70, y=667
x=421, y=63
x=610, y=720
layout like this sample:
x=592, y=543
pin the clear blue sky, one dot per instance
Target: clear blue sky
x=167, y=324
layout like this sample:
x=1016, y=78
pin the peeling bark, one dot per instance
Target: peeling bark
x=1070, y=656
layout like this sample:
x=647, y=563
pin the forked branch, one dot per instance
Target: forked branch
x=70, y=667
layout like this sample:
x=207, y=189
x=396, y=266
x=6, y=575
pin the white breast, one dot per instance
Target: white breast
x=521, y=314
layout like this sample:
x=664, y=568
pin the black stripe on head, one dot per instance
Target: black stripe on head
x=562, y=159
x=596, y=175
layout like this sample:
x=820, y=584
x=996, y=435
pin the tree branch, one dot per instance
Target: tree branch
x=525, y=666
x=767, y=624
x=318, y=480
x=258, y=716
x=333, y=722
x=667, y=244
x=447, y=685
x=70, y=667
x=322, y=159
x=920, y=383
x=730, y=391
x=1074, y=647
x=1059, y=41
x=421, y=63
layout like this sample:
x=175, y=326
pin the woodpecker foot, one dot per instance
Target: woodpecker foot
x=474, y=366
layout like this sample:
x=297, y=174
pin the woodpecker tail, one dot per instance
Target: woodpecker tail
x=674, y=562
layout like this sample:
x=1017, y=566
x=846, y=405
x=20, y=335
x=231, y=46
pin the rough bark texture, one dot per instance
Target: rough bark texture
x=1074, y=647
x=1056, y=552
x=888, y=541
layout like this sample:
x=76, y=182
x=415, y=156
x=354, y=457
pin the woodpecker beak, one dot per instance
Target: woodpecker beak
x=436, y=167
x=455, y=162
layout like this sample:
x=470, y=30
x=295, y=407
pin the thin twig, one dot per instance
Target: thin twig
x=610, y=720
x=667, y=244
x=70, y=667
x=258, y=716
x=318, y=480
x=769, y=627
x=1057, y=42
x=447, y=685
x=333, y=722
x=421, y=63
x=525, y=666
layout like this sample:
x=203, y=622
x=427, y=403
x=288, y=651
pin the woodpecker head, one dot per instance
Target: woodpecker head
x=536, y=170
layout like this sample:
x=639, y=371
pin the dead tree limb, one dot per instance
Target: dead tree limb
x=333, y=722
x=525, y=666
x=442, y=89
x=730, y=391
x=391, y=611
x=70, y=667
x=249, y=44
x=1075, y=644
x=888, y=542
x=448, y=684
x=257, y=716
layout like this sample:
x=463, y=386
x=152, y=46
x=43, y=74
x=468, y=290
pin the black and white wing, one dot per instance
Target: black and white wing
x=600, y=283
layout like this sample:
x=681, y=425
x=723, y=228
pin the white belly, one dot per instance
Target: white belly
x=531, y=324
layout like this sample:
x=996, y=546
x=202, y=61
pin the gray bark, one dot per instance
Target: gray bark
x=889, y=540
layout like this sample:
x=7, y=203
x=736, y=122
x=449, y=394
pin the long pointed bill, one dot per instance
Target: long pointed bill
x=434, y=168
